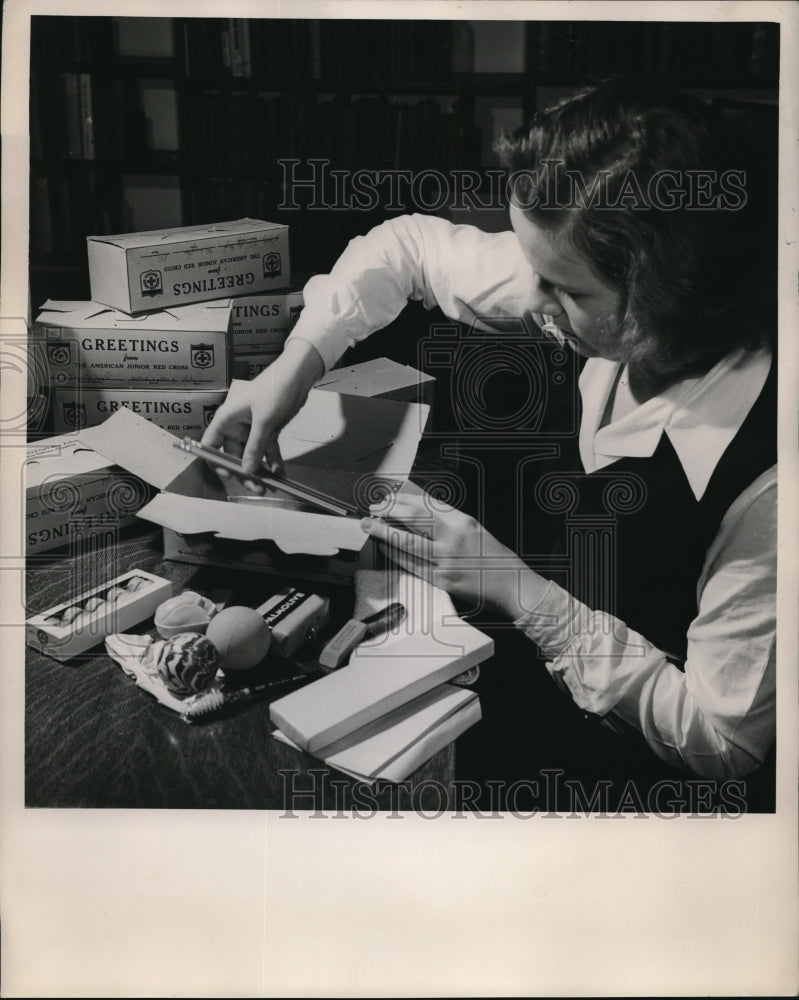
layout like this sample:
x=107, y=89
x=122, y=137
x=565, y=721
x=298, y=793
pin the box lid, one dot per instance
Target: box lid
x=60, y=457
x=199, y=317
x=336, y=444
x=188, y=234
x=371, y=378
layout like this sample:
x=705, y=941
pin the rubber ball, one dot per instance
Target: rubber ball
x=241, y=637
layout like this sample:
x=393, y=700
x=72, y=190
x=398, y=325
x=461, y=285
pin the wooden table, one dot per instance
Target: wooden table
x=94, y=739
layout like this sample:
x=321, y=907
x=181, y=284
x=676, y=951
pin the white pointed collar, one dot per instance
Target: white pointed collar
x=701, y=416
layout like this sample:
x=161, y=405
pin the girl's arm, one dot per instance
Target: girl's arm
x=717, y=718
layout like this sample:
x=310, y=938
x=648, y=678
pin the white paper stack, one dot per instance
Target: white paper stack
x=390, y=709
x=398, y=743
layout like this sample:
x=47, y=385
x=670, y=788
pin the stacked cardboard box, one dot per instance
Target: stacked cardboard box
x=166, y=331
x=158, y=335
x=259, y=326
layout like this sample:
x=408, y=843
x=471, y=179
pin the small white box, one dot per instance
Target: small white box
x=136, y=272
x=261, y=323
x=91, y=345
x=112, y=609
x=182, y=413
x=68, y=486
x=293, y=617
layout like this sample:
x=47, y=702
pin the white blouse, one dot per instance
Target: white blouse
x=717, y=718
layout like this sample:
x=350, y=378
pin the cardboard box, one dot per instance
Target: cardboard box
x=181, y=413
x=381, y=378
x=261, y=323
x=69, y=487
x=112, y=609
x=88, y=344
x=247, y=366
x=136, y=272
x=344, y=446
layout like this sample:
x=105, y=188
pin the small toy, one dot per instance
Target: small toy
x=241, y=636
x=188, y=612
x=186, y=663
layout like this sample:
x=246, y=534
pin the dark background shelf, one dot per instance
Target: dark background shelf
x=187, y=128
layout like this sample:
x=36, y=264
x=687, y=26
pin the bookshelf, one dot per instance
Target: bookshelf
x=139, y=123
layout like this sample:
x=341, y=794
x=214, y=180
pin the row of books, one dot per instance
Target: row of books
x=317, y=238
x=241, y=130
x=334, y=50
x=65, y=209
x=701, y=50
x=84, y=116
x=58, y=41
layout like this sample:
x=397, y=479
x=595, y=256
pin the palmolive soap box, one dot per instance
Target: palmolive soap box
x=89, y=344
x=69, y=488
x=261, y=323
x=136, y=272
x=188, y=412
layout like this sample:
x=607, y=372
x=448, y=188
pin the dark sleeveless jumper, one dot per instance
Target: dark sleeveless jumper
x=629, y=539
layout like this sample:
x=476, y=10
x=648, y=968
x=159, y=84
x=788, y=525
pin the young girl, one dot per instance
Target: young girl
x=635, y=241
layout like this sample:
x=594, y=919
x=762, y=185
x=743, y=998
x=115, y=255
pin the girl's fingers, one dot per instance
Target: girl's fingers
x=407, y=542
x=415, y=518
x=416, y=567
x=274, y=459
x=233, y=446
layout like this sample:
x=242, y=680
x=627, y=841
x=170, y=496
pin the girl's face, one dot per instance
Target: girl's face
x=583, y=308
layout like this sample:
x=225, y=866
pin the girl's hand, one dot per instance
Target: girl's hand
x=452, y=551
x=247, y=424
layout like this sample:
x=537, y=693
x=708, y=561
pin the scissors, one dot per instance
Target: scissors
x=269, y=480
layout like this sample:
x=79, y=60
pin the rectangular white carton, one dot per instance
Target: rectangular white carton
x=261, y=323
x=69, y=487
x=138, y=272
x=89, y=344
x=180, y=412
x=74, y=626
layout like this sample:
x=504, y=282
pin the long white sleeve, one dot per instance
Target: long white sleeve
x=468, y=273
x=716, y=718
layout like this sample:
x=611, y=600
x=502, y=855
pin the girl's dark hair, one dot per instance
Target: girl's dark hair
x=692, y=255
